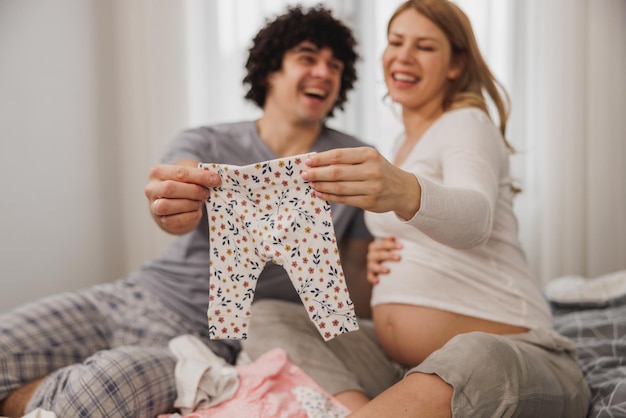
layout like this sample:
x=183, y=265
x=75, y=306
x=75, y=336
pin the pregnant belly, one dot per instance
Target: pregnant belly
x=409, y=333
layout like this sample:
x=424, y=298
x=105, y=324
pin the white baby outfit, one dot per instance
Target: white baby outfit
x=266, y=212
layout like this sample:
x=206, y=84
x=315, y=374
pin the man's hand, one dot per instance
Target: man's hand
x=177, y=194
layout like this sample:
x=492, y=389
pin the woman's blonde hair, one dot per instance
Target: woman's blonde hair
x=475, y=78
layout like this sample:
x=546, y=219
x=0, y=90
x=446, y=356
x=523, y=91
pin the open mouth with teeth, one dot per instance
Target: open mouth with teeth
x=405, y=78
x=315, y=93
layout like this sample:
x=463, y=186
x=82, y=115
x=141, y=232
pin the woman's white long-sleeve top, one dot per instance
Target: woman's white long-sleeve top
x=461, y=251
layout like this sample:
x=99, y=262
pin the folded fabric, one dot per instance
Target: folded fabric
x=272, y=386
x=587, y=291
x=40, y=413
x=202, y=378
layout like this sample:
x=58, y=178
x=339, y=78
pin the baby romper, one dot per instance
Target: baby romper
x=266, y=212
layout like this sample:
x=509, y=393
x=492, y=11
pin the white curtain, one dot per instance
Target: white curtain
x=561, y=60
x=569, y=104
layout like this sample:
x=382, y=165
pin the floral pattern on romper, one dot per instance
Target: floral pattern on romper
x=266, y=212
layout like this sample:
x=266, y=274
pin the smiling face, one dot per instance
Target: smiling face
x=306, y=87
x=417, y=62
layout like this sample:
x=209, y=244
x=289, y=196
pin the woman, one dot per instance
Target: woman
x=454, y=301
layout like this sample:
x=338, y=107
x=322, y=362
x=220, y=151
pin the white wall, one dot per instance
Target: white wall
x=59, y=213
x=90, y=93
x=151, y=101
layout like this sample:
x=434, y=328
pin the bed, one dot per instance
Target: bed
x=592, y=312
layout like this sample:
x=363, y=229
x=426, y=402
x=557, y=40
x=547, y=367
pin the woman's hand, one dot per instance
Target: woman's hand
x=177, y=194
x=378, y=253
x=362, y=177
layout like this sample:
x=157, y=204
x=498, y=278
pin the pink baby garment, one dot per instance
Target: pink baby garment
x=266, y=212
x=272, y=386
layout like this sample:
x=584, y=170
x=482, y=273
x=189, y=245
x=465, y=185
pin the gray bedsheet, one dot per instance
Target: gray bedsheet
x=600, y=335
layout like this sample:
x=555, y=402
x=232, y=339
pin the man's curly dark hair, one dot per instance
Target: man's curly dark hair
x=316, y=25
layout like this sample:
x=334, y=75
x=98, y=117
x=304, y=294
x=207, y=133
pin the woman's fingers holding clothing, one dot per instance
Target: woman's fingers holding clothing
x=338, y=156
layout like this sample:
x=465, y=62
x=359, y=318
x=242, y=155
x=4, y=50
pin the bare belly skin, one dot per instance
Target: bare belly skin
x=409, y=333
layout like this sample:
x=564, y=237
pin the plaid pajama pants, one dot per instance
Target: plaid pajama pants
x=104, y=352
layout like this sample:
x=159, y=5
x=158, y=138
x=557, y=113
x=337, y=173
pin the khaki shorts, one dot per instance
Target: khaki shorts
x=352, y=361
x=534, y=374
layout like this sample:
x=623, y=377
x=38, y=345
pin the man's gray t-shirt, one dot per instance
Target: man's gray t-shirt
x=180, y=277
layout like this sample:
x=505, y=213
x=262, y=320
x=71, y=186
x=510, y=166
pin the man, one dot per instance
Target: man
x=103, y=351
